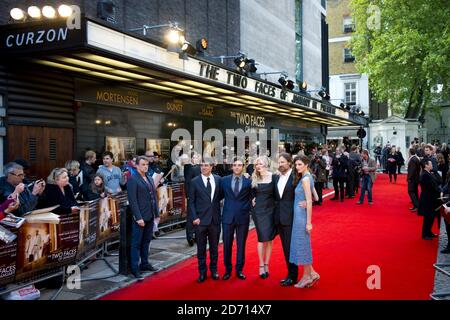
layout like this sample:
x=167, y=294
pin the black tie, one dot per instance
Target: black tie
x=208, y=187
x=236, y=186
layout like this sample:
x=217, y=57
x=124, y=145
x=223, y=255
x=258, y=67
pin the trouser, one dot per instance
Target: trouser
x=189, y=226
x=398, y=169
x=319, y=188
x=366, y=186
x=413, y=191
x=228, y=239
x=447, y=228
x=285, y=233
x=427, y=225
x=350, y=185
x=392, y=174
x=140, y=244
x=339, y=185
x=209, y=233
x=327, y=175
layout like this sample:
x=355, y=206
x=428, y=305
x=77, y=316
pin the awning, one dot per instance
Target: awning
x=101, y=51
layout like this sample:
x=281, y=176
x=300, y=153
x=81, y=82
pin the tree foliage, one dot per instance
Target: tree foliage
x=404, y=47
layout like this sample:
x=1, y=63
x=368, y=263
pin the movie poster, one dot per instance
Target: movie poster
x=88, y=227
x=8, y=258
x=162, y=146
x=108, y=219
x=121, y=147
x=47, y=245
x=171, y=202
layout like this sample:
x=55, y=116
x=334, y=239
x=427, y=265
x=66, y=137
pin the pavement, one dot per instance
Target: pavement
x=441, y=280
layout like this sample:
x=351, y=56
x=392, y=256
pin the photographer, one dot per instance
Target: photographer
x=14, y=176
x=318, y=169
x=339, y=164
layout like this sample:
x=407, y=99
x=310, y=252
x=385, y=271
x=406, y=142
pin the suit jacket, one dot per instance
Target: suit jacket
x=53, y=196
x=142, y=198
x=236, y=209
x=414, y=169
x=372, y=165
x=284, y=205
x=200, y=204
x=190, y=172
x=429, y=195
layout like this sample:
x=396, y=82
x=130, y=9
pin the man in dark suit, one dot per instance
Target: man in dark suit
x=413, y=178
x=284, y=212
x=191, y=170
x=238, y=195
x=144, y=207
x=204, y=208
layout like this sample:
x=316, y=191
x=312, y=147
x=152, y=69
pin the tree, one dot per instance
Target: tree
x=404, y=47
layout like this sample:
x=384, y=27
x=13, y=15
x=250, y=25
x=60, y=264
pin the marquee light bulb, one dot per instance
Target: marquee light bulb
x=65, y=11
x=173, y=36
x=49, y=12
x=17, y=14
x=34, y=12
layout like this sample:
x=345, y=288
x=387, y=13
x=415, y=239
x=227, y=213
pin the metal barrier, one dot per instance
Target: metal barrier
x=440, y=268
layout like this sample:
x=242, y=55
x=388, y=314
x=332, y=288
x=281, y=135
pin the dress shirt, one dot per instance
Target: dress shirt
x=282, y=182
x=211, y=181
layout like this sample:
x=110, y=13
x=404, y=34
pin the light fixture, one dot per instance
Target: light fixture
x=303, y=85
x=17, y=14
x=49, y=12
x=174, y=36
x=188, y=48
x=324, y=94
x=107, y=122
x=34, y=12
x=342, y=105
x=202, y=45
x=98, y=121
x=288, y=84
x=250, y=65
x=65, y=11
x=106, y=10
x=240, y=61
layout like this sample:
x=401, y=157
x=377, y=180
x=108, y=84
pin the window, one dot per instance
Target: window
x=348, y=57
x=350, y=93
x=349, y=25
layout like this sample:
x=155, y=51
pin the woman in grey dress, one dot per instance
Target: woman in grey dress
x=264, y=204
x=301, y=253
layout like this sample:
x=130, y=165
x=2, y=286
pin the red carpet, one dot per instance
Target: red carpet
x=346, y=240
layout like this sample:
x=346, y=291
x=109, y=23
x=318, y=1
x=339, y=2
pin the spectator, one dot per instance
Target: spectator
x=391, y=165
x=156, y=165
x=442, y=167
x=87, y=167
x=12, y=202
x=26, y=169
x=95, y=190
x=113, y=177
x=401, y=160
x=368, y=174
x=59, y=192
x=339, y=164
x=75, y=176
x=328, y=159
x=14, y=176
x=429, y=199
x=413, y=178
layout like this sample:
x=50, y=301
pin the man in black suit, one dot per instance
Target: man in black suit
x=284, y=212
x=413, y=178
x=191, y=170
x=144, y=207
x=204, y=208
x=238, y=195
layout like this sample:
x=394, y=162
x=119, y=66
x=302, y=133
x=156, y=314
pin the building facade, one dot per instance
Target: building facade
x=105, y=87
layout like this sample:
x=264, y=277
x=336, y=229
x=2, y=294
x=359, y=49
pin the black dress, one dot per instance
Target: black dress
x=54, y=196
x=263, y=212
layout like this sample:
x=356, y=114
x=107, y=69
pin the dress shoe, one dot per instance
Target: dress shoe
x=427, y=238
x=137, y=275
x=359, y=202
x=215, y=276
x=288, y=282
x=264, y=274
x=149, y=268
x=446, y=250
x=413, y=209
x=226, y=276
x=332, y=199
x=190, y=242
x=240, y=275
x=201, y=278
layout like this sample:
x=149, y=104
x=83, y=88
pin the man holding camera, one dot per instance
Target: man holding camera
x=369, y=168
x=14, y=176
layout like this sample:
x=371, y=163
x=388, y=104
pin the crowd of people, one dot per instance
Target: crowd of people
x=277, y=193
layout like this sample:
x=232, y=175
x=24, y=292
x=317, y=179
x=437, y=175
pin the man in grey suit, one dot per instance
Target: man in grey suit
x=143, y=204
x=368, y=171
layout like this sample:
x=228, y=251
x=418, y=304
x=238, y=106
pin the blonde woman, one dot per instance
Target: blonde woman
x=264, y=204
x=59, y=192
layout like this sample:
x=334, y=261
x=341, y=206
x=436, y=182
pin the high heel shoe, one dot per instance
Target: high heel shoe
x=314, y=278
x=264, y=274
x=308, y=282
x=302, y=283
x=266, y=270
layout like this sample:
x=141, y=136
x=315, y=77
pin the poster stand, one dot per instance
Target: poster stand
x=102, y=250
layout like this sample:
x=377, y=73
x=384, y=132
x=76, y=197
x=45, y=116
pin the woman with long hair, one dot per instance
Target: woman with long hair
x=391, y=164
x=301, y=253
x=264, y=205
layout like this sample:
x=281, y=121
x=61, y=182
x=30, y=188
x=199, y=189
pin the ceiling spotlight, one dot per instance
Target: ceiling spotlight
x=282, y=81
x=188, y=48
x=202, y=44
x=34, y=12
x=17, y=14
x=240, y=62
x=290, y=85
x=303, y=86
x=174, y=36
x=362, y=114
x=324, y=94
x=49, y=12
x=348, y=108
x=250, y=65
x=342, y=105
x=65, y=11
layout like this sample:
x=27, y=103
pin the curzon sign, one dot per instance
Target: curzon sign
x=36, y=37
